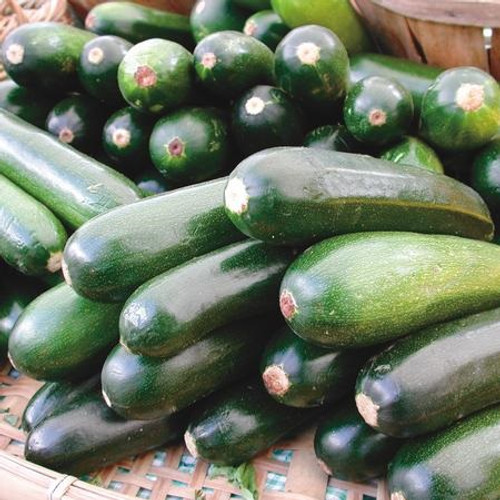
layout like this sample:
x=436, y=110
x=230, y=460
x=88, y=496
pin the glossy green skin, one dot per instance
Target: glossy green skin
x=50, y=59
x=317, y=375
x=62, y=336
x=211, y=16
x=77, y=120
x=27, y=104
x=279, y=123
x=183, y=305
x=74, y=186
x=241, y=62
x=52, y=397
x=137, y=23
x=303, y=195
x=132, y=156
x=414, y=151
x=86, y=435
x=448, y=126
x=415, y=77
x=171, y=87
x=372, y=94
x=234, y=425
x=31, y=236
x=333, y=138
x=253, y=5
x=418, y=393
x=383, y=285
x=320, y=86
x=458, y=463
x=191, y=145
x=98, y=74
x=267, y=27
x=349, y=449
x=147, y=238
x=144, y=387
x=151, y=182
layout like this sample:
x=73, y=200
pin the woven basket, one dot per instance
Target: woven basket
x=288, y=471
x=444, y=33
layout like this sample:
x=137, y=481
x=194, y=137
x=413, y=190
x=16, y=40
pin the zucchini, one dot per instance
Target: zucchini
x=52, y=397
x=32, y=239
x=458, y=463
x=85, y=435
x=151, y=182
x=236, y=424
x=138, y=247
x=301, y=374
x=264, y=117
x=378, y=110
x=73, y=186
x=62, y=336
x=266, y=26
x=291, y=196
x=179, y=307
x=143, y=387
x=191, y=145
x=334, y=138
x=461, y=110
x=228, y=62
x=368, y=288
x=44, y=55
x=350, y=450
x=253, y=5
x=436, y=376
x=137, y=23
x=98, y=67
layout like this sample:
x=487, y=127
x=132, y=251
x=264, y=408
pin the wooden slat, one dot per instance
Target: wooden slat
x=494, y=54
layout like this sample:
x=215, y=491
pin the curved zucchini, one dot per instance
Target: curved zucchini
x=458, y=463
x=32, y=239
x=349, y=449
x=62, y=336
x=293, y=196
x=368, y=288
x=234, y=425
x=145, y=239
x=184, y=304
x=143, y=387
x=301, y=374
x=429, y=380
x=73, y=186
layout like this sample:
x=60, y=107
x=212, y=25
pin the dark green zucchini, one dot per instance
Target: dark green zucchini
x=434, y=377
x=151, y=182
x=98, y=68
x=137, y=23
x=461, y=110
x=228, y=63
x=179, y=307
x=77, y=120
x=145, y=239
x=44, y=55
x=143, y=387
x=62, y=336
x=267, y=27
x=334, y=138
x=32, y=238
x=264, y=117
x=191, y=145
x=52, y=397
x=72, y=185
x=349, y=449
x=301, y=374
x=312, y=65
x=378, y=110
x=368, y=288
x=234, y=425
x=458, y=463
x=296, y=195
x=253, y=5
x=156, y=76
x=86, y=435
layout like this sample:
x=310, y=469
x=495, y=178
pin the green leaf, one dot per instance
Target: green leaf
x=243, y=477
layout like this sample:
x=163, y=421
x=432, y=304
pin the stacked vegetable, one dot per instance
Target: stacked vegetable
x=322, y=253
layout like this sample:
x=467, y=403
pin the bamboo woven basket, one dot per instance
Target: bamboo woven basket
x=443, y=33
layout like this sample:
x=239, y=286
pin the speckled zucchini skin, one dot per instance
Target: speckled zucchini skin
x=266, y=26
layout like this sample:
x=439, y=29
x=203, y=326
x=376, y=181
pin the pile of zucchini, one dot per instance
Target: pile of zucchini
x=223, y=228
